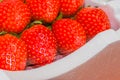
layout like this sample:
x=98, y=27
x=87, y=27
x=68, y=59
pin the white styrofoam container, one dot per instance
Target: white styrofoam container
x=80, y=56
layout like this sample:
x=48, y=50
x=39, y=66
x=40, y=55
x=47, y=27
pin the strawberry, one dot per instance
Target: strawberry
x=41, y=44
x=70, y=35
x=23, y=0
x=8, y=0
x=13, y=53
x=15, y=15
x=45, y=10
x=94, y=20
x=70, y=7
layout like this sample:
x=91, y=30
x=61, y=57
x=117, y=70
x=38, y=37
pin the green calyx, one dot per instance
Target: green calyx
x=36, y=22
x=3, y=33
x=60, y=16
x=14, y=34
x=49, y=27
x=33, y=23
x=92, y=6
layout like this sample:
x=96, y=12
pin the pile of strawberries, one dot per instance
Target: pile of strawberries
x=34, y=32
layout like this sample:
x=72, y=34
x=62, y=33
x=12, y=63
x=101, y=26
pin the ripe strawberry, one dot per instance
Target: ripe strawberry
x=45, y=10
x=70, y=35
x=23, y=0
x=70, y=7
x=8, y=0
x=94, y=20
x=13, y=53
x=14, y=15
x=41, y=44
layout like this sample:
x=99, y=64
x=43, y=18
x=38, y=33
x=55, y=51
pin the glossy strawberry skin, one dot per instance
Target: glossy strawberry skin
x=70, y=7
x=13, y=53
x=15, y=15
x=46, y=10
x=94, y=20
x=41, y=45
x=70, y=35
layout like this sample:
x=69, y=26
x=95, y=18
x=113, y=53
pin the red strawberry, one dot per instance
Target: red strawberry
x=70, y=35
x=70, y=7
x=23, y=0
x=41, y=44
x=45, y=10
x=13, y=53
x=8, y=0
x=94, y=20
x=14, y=15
